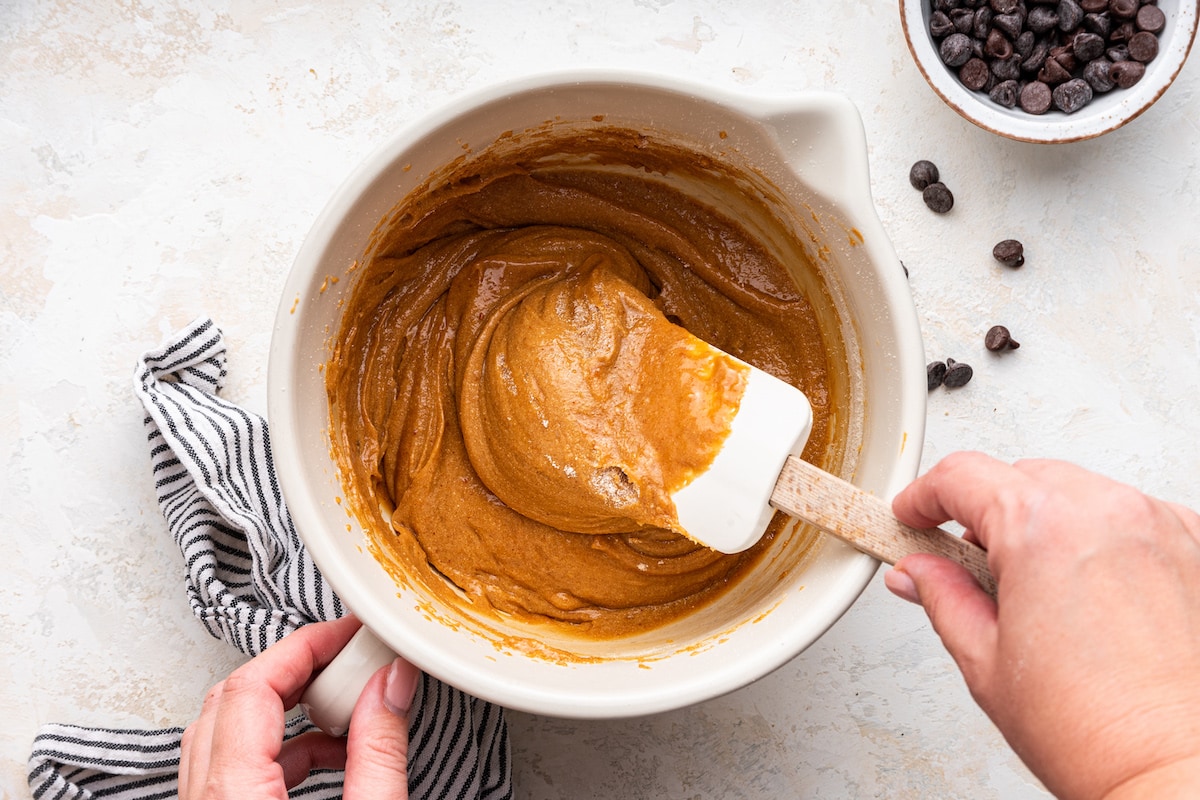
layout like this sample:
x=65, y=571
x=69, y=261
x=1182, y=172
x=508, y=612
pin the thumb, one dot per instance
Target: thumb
x=377, y=745
x=961, y=613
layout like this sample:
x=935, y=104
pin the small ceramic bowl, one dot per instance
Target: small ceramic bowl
x=812, y=148
x=1106, y=112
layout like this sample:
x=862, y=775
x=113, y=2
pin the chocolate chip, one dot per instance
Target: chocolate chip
x=938, y=197
x=958, y=374
x=1023, y=44
x=1093, y=6
x=1037, y=58
x=1009, y=24
x=1004, y=6
x=1127, y=73
x=955, y=49
x=935, y=373
x=1099, y=24
x=974, y=74
x=1053, y=72
x=1008, y=69
x=1123, y=8
x=963, y=20
x=1143, y=46
x=1010, y=253
x=940, y=25
x=1087, y=46
x=1097, y=74
x=982, y=23
x=1072, y=95
x=1151, y=18
x=997, y=45
x=1005, y=93
x=922, y=174
x=1041, y=19
x=999, y=339
x=1070, y=15
x=1036, y=98
x=1122, y=33
x=1064, y=54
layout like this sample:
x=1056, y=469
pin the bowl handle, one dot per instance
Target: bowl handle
x=329, y=699
x=822, y=140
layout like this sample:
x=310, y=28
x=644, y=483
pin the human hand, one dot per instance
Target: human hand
x=236, y=749
x=1088, y=661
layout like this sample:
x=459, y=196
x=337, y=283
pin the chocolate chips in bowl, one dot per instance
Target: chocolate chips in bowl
x=1049, y=70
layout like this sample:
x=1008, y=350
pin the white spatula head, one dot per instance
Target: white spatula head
x=727, y=507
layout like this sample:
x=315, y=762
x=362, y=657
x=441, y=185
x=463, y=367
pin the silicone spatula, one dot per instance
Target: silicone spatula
x=758, y=469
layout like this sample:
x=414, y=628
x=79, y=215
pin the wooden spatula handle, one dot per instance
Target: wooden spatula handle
x=865, y=521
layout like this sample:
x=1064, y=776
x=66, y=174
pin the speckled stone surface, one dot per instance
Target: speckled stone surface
x=162, y=160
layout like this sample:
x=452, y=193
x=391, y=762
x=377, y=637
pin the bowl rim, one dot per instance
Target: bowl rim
x=1054, y=127
x=855, y=569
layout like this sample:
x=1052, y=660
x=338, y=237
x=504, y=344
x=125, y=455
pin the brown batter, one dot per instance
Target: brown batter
x=603, y=407
x=470, y=338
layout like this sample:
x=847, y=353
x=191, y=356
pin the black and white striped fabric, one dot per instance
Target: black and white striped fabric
x=250, y=582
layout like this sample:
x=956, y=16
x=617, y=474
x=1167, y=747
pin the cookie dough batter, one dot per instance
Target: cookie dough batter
x=583, y=408
x=441, y=400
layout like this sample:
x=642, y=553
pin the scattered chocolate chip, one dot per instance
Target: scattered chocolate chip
x=1004, y=6
x=938, y=197
x=1093, y=6
x=1143, y=46
x=1036, y=97
x=1010, y=253
x=957, y=375
x=998, y=339
x=1072, y=95
x=935, y=373
x=922, y=174
x=1127, y=73
x=1151, y=18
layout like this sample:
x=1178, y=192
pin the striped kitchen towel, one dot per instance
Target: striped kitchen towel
x=250, y=582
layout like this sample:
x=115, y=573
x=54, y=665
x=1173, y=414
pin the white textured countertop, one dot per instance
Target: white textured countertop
x=159, y=161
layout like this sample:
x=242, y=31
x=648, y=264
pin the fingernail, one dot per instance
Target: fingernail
x=400, y=687
x=900, y=583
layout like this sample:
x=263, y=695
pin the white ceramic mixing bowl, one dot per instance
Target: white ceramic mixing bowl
x=811, y=148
